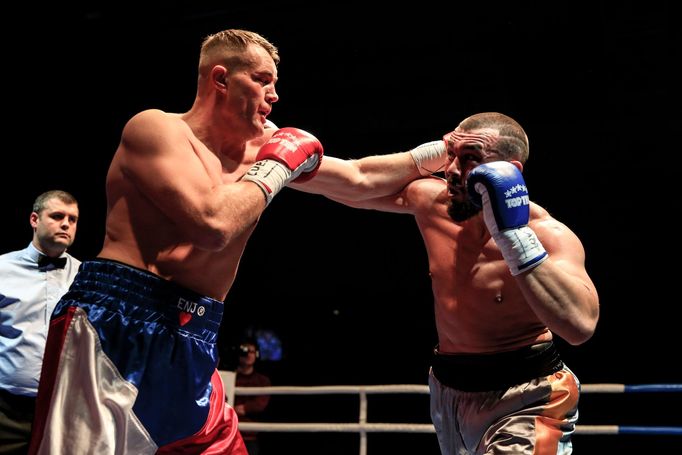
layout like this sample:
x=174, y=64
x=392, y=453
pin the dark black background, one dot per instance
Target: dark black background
x=347, y=290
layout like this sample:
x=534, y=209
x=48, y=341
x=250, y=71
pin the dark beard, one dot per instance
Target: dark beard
x=462, y=211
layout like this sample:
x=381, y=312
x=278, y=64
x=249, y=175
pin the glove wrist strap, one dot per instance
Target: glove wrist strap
x=429, y=157
x=521, y=249
x=270, y=175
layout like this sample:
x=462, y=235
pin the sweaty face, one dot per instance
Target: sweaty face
x=251, y=90
x=465, y=151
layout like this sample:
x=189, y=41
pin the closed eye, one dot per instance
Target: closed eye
x=467, y=157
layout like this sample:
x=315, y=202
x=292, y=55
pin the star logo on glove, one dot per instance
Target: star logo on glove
x=515, y=189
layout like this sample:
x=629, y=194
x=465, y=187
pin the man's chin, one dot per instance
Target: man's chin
x=62, y=242
x=462, y=211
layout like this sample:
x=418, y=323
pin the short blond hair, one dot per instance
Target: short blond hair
x=229, y=46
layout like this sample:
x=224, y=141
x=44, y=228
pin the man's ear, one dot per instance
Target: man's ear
x=518, y=164
x=219, y=77
x=33, y=219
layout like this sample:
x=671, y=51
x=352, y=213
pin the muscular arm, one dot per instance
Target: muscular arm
x=419, y=194
x=184, y=181
x=559, y=290
x=372, y=177
x=366, y=178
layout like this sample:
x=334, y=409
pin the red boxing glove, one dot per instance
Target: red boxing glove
x=298, y=149
x=290, y=155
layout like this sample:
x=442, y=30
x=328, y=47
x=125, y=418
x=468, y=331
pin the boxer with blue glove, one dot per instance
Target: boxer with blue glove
x=497, y=381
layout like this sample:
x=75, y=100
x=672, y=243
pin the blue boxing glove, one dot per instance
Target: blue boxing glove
x=499, y=188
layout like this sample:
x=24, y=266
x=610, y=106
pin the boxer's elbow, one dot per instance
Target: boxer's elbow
x=214, y=234
x=582, y=328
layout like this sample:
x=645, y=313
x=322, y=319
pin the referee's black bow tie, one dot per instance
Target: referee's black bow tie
x=58, y=263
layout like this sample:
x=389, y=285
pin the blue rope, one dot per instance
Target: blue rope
x=650, y=430
x=654, y=388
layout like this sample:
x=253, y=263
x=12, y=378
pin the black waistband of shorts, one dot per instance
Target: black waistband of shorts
x=118, y=281
x=482, y=372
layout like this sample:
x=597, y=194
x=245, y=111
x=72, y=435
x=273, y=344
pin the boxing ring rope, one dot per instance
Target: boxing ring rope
x=363, y=427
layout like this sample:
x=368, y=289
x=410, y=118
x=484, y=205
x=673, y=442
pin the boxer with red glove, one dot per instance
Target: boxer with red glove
x=291, y=155
x=498, y=187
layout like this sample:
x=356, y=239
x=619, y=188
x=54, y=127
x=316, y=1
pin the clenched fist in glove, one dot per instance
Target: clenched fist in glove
x=499, y=188
x=290, y=155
